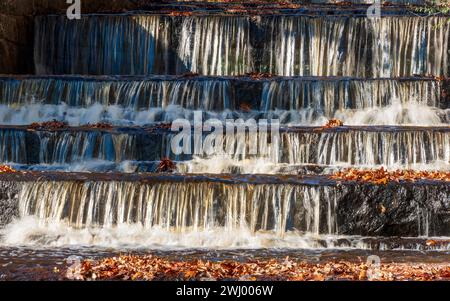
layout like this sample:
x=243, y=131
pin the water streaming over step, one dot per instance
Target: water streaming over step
x=13, y=147
x=244, y=215
x=396, y=148
x=132, y=93
x=216, y=45
x=69, y=147
x=227, y=45
x=292, y=100
x=336, y=46
x=401, y=149
x=103, y=45
x=228, y=212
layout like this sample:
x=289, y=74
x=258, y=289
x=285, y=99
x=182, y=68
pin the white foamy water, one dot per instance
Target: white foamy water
x=225, y=164
x=397, y=113
x=30, y=231
x=411, y=113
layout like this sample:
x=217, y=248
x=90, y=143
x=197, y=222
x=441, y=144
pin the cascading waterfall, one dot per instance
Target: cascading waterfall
x=371, y=66
x=103, y=45
x=295, y=101
x=330, y=96
x=356, y=102
x=222, y=45
x=166, y=210
x=191, y=214
x=216, y=45
x=13, y=146
x=341, y=46
x=402, y=149
x=127, y=92
x=139, y=45
x=67, y=147
x=338, y=148
x=360, y=148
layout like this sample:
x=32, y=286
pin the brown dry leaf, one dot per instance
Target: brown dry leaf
x=259, y=75
x=7, y=169
x=332, y=123
x=100, y=125
x=245, y=107
x=166, y=165
x=180, y=13
x=48, y=125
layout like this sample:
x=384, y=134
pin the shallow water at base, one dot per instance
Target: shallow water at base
x=23, y=263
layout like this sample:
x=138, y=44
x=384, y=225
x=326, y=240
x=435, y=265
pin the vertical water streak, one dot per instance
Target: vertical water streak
x=215, y=45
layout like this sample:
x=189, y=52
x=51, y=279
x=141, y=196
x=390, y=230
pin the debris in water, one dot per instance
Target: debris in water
x=7, y=169
x=333, y=123
x=49, y=125
x=100, y=125
x=166, y=165
x=433, y=243
x=189, y=75
x=287, y=4
x=344, y=3
x=180, y=13
x=160, y=126
x=259, y=75
x=382, y=176
x=245, y=107
x=154, y=268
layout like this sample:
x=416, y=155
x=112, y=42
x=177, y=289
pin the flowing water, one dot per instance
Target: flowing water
x=227, y=45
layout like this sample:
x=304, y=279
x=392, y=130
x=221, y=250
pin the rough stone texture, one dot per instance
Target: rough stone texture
x=394, y=210
x=16, y=55
x=8, y=201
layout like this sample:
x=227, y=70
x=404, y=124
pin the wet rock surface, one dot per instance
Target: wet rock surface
x=394, y=210
x=9, y=204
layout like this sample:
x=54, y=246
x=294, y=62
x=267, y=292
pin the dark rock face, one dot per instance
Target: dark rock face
x=9, y=208
x=16, y=50
x=394, y=210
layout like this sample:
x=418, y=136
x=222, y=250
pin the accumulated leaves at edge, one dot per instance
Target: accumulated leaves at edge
x=382, y=176
x=154, y=268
